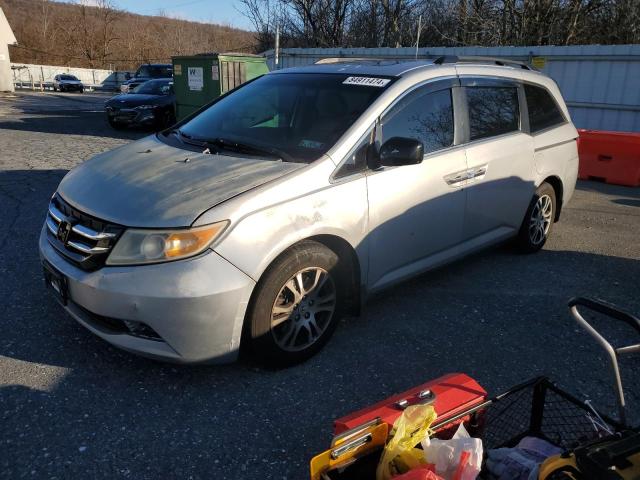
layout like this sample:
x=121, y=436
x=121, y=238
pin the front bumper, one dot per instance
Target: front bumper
x=196, y=306
x=69, y=87
x=126, y=116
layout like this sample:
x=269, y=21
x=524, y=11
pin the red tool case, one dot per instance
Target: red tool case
x=450, y=395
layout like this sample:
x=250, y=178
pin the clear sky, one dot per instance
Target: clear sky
x=208, y=11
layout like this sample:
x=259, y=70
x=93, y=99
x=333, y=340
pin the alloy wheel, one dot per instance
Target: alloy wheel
x=303, y=309
x=540, y=219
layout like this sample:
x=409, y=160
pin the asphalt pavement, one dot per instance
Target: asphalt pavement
x=71, y=406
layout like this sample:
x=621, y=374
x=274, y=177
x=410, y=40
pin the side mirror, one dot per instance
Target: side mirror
x=398, y=151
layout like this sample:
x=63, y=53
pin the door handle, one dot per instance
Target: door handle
x=455, y=178
x=478, y=171
x=466, y=176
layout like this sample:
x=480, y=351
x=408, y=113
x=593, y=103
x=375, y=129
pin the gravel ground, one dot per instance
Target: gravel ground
x=71, y=406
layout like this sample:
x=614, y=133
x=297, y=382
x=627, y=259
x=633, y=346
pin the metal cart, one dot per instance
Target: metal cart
x=536, y=408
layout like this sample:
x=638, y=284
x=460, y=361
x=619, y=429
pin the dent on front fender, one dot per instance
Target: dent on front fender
x=257, y=239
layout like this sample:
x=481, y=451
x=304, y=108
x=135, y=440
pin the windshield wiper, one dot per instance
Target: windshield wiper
x=186, y=138
x=242, y=147
x=215, y=145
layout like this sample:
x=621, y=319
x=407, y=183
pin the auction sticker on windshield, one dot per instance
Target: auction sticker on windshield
x=368, y=81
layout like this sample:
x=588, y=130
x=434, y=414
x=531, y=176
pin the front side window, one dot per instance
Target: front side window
x=543, y=110
x=424, y=115
x=160, y=72
x=299, y=114
x=356, y=160
x=492, y=111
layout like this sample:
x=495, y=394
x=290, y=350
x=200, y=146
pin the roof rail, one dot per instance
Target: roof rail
x=483, y=60
x=330, y=60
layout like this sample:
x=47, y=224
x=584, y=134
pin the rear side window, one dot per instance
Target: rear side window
x=425, y=116
x=543, y=110
x=492, y=111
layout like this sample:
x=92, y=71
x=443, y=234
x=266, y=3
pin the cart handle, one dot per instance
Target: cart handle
x=612, y=312
x=607, y=309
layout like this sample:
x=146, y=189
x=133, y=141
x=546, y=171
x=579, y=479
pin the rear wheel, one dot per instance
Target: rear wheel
x=296, y=306
x=538, y=220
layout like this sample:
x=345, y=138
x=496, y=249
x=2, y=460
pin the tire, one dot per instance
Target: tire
x=285, y=325
x=55, y=89
x=162, y=121
x=538, y=221
x=114, y=124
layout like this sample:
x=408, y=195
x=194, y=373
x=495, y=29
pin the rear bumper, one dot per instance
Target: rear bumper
x=196, y=306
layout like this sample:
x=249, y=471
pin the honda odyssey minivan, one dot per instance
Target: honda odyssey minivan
x=283, y=204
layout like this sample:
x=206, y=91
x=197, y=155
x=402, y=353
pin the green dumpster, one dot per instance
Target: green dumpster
x=198, y=79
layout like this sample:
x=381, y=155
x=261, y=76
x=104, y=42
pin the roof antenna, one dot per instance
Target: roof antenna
x=418, y=39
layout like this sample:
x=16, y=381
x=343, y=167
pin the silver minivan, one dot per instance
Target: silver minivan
x=283, y=204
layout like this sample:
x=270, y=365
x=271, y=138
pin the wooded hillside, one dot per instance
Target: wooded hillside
x=392, y=23
x=101, y=36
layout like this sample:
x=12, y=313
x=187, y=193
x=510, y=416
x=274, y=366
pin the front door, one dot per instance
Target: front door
x=416, y=212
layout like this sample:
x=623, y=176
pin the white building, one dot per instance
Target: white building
x=6, y=38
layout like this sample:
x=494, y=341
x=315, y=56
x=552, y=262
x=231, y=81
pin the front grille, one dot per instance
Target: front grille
x=124, y=113
x=84, y=240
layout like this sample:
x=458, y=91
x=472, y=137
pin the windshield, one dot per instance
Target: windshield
x=67, y=77
x=300, y=114
x=155, y=71
x=155, y=87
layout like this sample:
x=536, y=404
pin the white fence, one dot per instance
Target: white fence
x=600, y=83
x=27, y=75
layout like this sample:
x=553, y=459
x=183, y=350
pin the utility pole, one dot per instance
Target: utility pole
x=277, y=49
x=418, y=39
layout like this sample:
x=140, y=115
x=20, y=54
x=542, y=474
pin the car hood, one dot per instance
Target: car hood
x=135, y=99
x=150, y=184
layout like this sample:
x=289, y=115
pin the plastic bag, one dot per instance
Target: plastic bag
x=459, y=458
x=425, y=472
x=521, y=462
x=400, y=454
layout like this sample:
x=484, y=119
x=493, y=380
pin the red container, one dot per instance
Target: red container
x=612, y=157
x=451, y=394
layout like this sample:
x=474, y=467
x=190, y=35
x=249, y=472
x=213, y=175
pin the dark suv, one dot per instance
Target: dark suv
x=147, y=72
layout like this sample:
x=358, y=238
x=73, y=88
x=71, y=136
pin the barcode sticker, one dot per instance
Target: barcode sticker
x=367, y=81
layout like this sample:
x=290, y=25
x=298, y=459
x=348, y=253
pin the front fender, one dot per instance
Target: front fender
x=259, y=237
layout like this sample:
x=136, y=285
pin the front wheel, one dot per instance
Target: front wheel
x=114, y=124
x=296, y=305
x=538, y=221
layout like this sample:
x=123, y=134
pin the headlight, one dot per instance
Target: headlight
x=151, y=246
x=145, y=107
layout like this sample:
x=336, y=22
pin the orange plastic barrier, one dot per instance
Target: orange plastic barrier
x=609, y=156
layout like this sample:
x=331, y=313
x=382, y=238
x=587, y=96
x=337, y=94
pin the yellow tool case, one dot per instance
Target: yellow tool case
x=616, y=457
